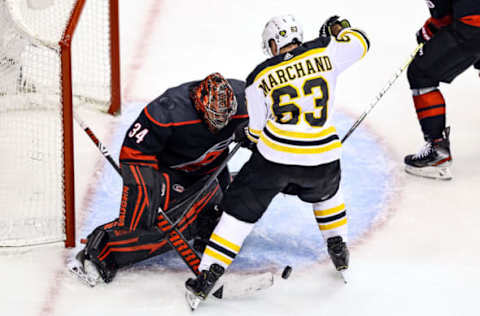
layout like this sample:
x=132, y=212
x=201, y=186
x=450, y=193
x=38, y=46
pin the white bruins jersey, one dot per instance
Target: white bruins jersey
x=290, y=99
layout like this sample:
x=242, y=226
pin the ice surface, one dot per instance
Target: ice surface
x=414, y=241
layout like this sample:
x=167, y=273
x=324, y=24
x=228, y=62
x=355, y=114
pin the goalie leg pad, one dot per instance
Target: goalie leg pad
x=95, y=242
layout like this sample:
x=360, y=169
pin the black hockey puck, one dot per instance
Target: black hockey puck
x=286, y=272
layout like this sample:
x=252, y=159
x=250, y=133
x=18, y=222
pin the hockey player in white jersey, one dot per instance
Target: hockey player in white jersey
x=295, y=147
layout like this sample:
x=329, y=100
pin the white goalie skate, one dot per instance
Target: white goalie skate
x=84, y=270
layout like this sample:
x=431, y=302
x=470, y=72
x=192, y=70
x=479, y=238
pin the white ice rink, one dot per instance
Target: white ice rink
x=419, y=255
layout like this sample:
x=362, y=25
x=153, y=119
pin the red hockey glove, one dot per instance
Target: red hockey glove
x=431, y=27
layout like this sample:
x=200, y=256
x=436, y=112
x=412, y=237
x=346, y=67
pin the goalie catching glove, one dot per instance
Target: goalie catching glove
x=333, y=25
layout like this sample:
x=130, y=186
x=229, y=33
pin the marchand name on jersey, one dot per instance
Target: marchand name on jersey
x=294, y=71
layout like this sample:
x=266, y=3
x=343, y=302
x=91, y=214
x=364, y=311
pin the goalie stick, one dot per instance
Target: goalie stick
x=105, y=152
x=382, y=92
x=103, y=149
x=210, y=180
x=243, y=287
x=97, y=143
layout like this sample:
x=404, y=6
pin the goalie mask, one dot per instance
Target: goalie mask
x=215, y=100
x=284, y=30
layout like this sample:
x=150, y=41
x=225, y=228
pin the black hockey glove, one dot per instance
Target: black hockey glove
x=430, y=28
x=240, y=136
x=477, y=66
x=332, y=26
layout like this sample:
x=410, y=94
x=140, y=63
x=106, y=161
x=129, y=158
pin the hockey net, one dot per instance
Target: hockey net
x=55, y=56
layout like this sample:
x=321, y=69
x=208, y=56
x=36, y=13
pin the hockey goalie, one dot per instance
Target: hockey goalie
x=168, y=153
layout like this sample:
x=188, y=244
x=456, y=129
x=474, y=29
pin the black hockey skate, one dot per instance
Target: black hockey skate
x=433, y=160
x=199, y=288
x=338, y=251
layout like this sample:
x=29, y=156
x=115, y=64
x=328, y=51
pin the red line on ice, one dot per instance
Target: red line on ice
x=49, y=304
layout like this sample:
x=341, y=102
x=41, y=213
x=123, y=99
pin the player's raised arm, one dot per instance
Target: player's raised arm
x=353, y=44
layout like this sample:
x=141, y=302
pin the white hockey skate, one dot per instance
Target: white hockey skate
x=84, y=270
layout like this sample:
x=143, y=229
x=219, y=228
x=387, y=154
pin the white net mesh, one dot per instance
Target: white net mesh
x=31, y=128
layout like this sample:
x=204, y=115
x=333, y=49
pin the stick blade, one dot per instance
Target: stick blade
x=245, y=286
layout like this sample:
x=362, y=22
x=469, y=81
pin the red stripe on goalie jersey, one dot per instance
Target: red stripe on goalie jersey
x=206, y=159
x=150, y=117
x=170, y=123
x=138, y=157
x=473, y=20
x=429, y=105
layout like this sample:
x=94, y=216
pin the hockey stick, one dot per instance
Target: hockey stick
x=103, y=149
x=382, y=92
x=172, y=229
x=210, y=180
x=97, y=143
x=245, y=286
x=177, y=241
x=175, y=238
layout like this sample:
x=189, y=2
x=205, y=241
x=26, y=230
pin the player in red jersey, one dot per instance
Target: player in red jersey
x=452, y=44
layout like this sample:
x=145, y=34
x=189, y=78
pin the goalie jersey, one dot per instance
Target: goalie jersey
x=290, y=99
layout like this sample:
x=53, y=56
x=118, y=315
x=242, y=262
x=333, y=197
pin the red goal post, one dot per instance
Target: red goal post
x=55, y=57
